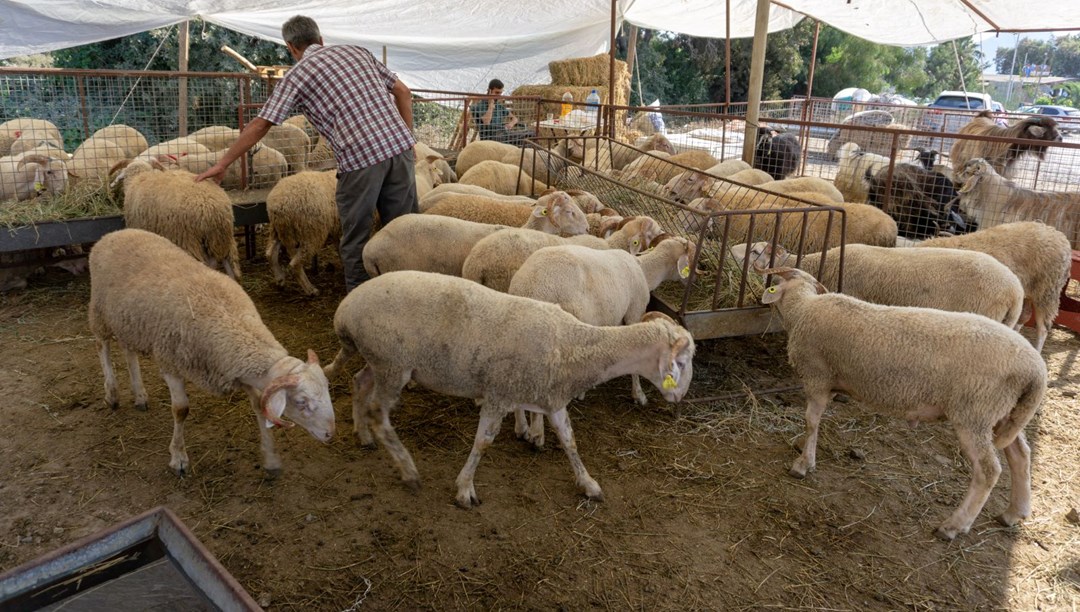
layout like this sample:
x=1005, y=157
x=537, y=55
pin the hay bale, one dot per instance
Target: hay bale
x=552, y=95
x=588, y=71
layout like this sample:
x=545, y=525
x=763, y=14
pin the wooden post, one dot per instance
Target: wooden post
x=182, y=100
x=631, y=57
x=757, y=77
x=609, y=114
x=806, y=114
x=384, y=55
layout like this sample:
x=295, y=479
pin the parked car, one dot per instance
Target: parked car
x=1067, y=117
x=948, y=113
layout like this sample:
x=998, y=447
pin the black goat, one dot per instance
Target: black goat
x=777, y=153
x=924, y=203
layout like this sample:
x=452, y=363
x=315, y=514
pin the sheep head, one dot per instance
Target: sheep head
x=791, y=279
x=560, y=210
x=675, y=368
x=972, y=172
x=299, y=391
x=50, y=173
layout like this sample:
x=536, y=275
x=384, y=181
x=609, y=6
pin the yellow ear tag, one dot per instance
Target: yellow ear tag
x=39, y=186
x=685, y=272
x=771, y=289
x=544, y=212
x=669, y=382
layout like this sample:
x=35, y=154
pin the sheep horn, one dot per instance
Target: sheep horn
x=120, y=165
x=278, y=384
x=653, y=315
x=784, y=273
x=33, y=159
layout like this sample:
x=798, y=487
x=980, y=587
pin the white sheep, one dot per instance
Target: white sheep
x=502, y=178
x=27, y=174
x=856, y=169
x=426, y=175
x=35, y=129
x=94, y=158
x=551, y=358
x=199, y=326
x=485, y=150
x=129, y=138
x=730, y=166
x=216, y=137
x=804, y=184
x=946, y=279
x=624, y=155
x=292, y=142
x=43, y=146
x=978, y=374
x=496, y=258
x=446, y=173
x=439, y=192
x=599, y=287
x=1039, y=255
x=992, y=200
x=303, y=215
x=198, y=217
x=556, y=208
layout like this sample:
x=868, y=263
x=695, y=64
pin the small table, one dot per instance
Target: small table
x=576, y=128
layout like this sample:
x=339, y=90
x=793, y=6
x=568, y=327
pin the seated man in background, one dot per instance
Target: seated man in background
x=494, y=121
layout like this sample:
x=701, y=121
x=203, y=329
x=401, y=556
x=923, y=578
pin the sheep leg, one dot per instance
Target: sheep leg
x=521, y=423
x=296, y=264
x=111, y=395
x=535, y=435
x=637, y=391
x=273, y=253
x=362, y=385
x=271, y=461
x=1018, y=454
x=985, y=469
x=379, y=407
x=815, y=407
x=491, y=415
x=345, y=353
x=178, y=460
x=560, y=420
x=136, y=378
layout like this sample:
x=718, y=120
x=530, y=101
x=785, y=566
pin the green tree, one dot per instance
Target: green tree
x=943, y=71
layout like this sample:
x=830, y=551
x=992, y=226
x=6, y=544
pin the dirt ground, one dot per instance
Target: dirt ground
x=699, y=510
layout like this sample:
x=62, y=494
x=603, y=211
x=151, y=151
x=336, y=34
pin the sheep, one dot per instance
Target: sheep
x=446, y=173
x=129, y=138
x=865, y=224
x=551, y=358
x=945, y=279
x=267, y=166
x=35, y=129
x=804, y=184
x=501, y=178
x=1003, y=155
x=691, y=185
x=198, y=217
x=25, y=175
x=495, y=259
x=698, y=160
x=856, y=167
x=599, y=287
x=290, y=141
x=993, y=200
x=303, y=215
x=439, y=192
x=321, y=156
x=427, y=243
x=837, y=343
x=777, y=152
x=555, y=208
x=94, y=158
x=1039, y=255
x=301, y=122
x=177, y=150
x=216, y=137
x=923, y=202
x=484, y=150
x=728, y=167
x=44, y=146
x=426, y=175
x=624, y=155
x=199, y=326
x=876, y=142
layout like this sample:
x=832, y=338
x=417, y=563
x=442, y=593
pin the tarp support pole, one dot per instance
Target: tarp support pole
x=805, y=129
x=609, y=116
x=631, y=57
x=182, y=64
x=757, y=77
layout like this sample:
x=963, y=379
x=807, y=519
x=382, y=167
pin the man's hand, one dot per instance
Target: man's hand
x=215, y=172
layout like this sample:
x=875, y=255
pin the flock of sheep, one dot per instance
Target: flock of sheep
x=572, y=277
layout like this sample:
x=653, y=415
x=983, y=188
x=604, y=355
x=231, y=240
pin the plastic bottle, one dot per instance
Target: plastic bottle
x=567, y=104
x=592, y=105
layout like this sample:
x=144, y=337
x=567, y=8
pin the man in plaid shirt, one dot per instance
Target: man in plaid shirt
x=365, y=114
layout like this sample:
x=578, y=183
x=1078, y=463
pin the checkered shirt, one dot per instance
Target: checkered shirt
x=345, y=94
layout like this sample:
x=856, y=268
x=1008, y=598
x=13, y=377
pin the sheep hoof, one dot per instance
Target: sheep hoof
x=273, y=473
x=412, y=484
x=797, y=473
x=467, y=500
x=945, y=535
x=596, y=497
x=1007, y=520
x=180, y=470
x=140, y=407
x=113, y=405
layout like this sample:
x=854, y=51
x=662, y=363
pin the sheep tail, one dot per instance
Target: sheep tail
x=1006, y=430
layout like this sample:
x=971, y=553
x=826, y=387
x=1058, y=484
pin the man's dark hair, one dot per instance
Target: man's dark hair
x=495, y=84
x=301, y=31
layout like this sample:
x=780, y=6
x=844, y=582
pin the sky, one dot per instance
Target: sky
x=988, y=43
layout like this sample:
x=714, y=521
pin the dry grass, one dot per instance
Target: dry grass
x=88, y=199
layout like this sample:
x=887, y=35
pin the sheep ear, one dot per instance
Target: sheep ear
x=1037, y=131
x=312, y=358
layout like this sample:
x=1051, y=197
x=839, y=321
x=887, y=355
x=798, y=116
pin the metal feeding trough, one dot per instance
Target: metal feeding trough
x=149, y=562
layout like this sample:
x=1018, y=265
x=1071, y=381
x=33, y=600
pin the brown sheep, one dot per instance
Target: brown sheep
x=1002, y=155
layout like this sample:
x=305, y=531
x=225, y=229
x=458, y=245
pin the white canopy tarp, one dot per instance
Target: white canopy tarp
x=459, y=46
